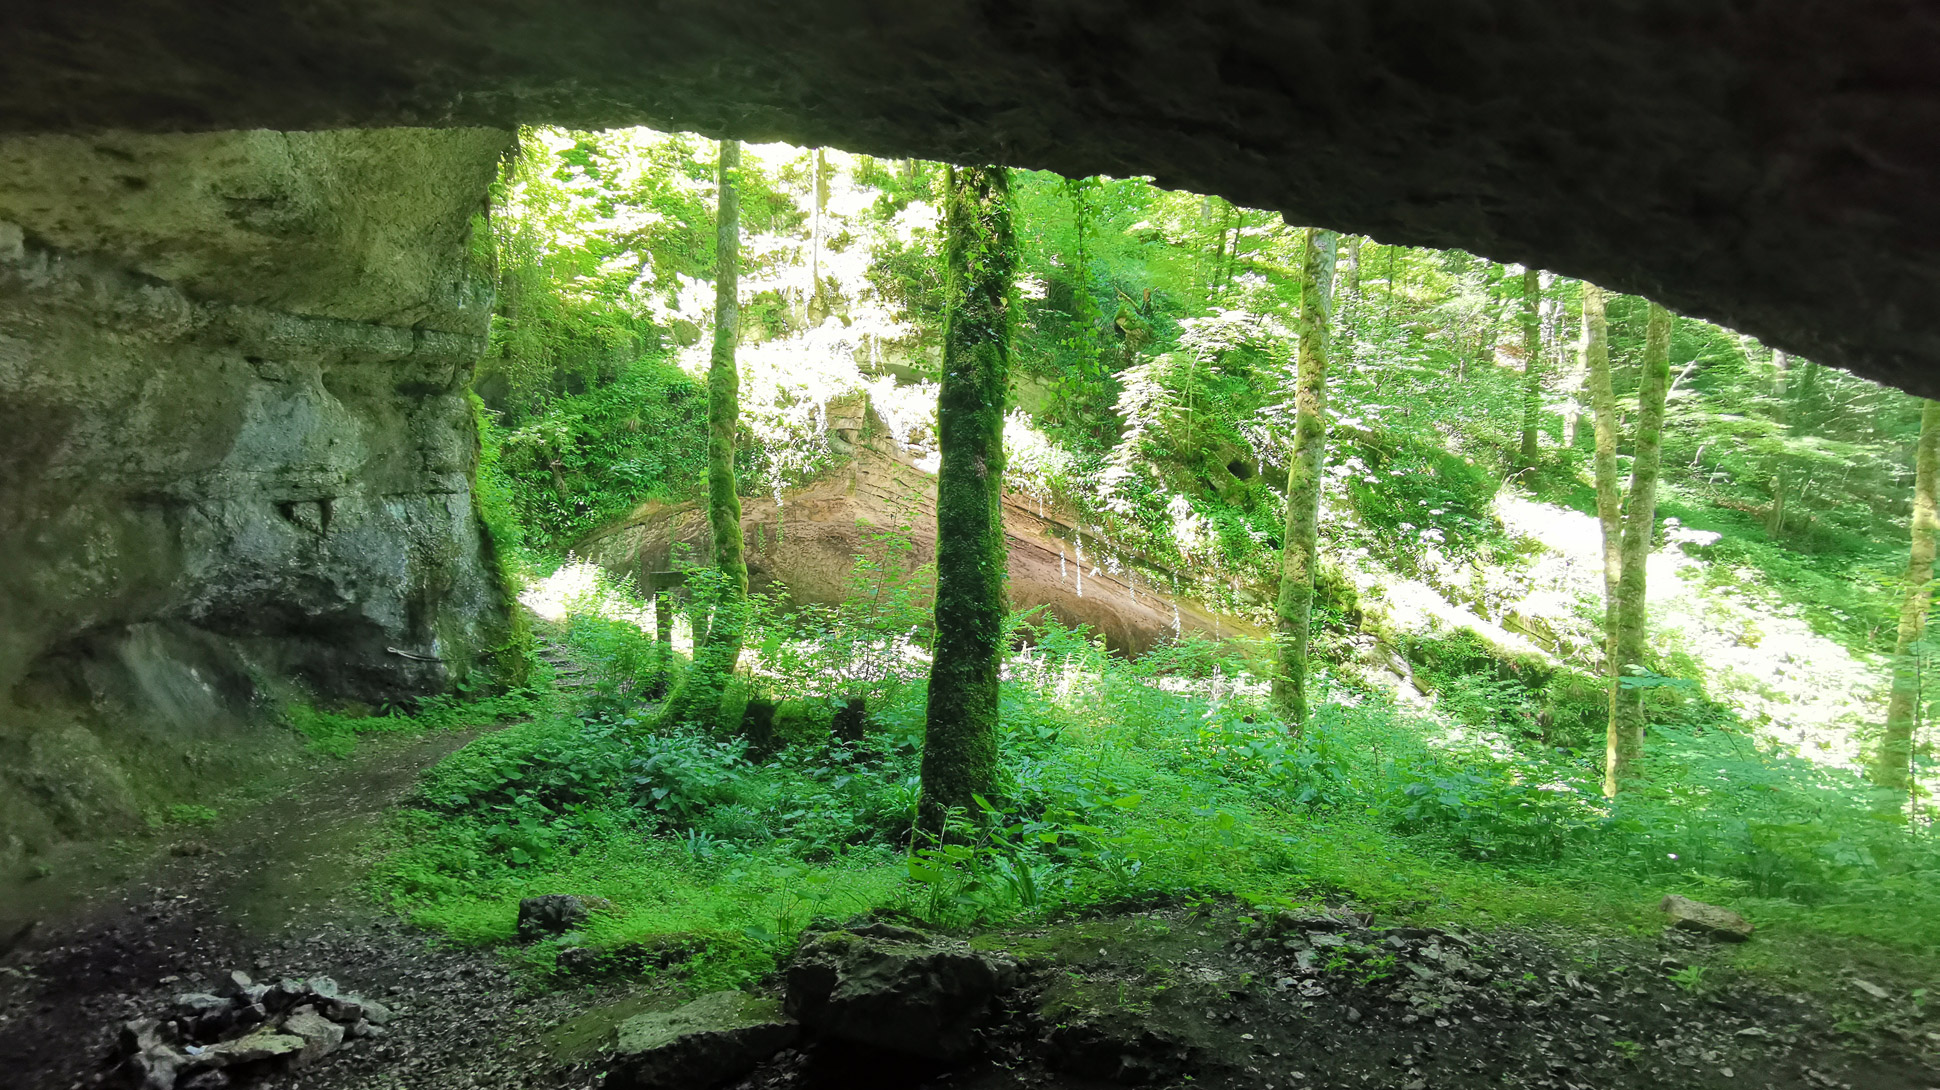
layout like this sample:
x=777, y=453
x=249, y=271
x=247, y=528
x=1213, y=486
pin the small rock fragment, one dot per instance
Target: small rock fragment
x=1871, y=989
x=263, y=1044
x=320, y=1035
x=323, y=986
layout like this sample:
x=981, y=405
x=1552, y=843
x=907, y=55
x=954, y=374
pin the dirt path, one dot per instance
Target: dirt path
x=273, y=891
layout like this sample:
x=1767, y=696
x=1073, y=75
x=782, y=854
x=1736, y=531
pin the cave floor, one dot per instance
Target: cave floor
x=1171, y=994
x=274, y=891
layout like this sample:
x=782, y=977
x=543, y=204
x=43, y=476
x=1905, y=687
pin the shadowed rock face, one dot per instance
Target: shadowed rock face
x=235, y=450
x=1768, y=165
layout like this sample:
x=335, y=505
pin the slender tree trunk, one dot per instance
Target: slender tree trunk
x=1387, y=304
x=1299, y=552
x=1781, y=414
x=818, y=300
x=1609, y=502
x=1532, y=364
x=1893, y=768
x=1640, y=525
x=1350, y=269
x=715, y=654
x=960, y=726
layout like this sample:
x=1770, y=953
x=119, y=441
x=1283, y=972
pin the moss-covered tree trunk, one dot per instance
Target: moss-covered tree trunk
x=1609, y=499
x=716, y=652
x=1532, y=364
x=960, y=725
x=1639, y=526
x=1300, y=548
x=1893, y=766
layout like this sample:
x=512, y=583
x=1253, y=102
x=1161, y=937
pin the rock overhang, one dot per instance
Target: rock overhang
x=1768, y=166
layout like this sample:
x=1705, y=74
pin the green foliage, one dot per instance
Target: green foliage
x=595, y=456
x=188, y=813
x=1412, y=495
x=335, y=734
x=1151, y=358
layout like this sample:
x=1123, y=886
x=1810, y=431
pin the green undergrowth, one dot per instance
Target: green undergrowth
x=1845, y=586
x=335, y=734
x=1132, y=782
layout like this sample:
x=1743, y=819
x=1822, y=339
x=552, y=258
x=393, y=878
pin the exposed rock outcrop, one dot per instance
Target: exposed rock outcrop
x=808, y=543
x=719, y=1036
x=235, y=449
x=895, y=989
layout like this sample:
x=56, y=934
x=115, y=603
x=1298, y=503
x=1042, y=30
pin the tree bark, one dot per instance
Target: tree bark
x=1300, y=548
x=698, y=699
x=1781, y=414
x=1350, y=268
x=960, y=724
x=1609, y=500
x=1639, y=526
x=1893, y=766
x=1532, y=364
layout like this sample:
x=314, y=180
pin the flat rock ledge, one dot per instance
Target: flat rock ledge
x=717, y=1037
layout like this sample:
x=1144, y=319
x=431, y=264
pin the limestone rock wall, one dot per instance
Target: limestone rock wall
x=235, y=450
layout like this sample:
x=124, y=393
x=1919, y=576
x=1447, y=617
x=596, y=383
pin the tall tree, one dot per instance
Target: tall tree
x=1626, y=732
x=1781, y=363
x=960, y=723
x=1350, y=268
x=1300, y=547
x=1609, y=499
x=1532, y=363
x=1893, y=766
x=718, y=648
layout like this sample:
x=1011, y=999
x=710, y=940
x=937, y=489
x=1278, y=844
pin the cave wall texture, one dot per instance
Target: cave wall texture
x=1769, y=164
x=235, y=451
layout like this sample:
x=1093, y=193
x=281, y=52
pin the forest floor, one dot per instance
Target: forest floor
x=1164, y=994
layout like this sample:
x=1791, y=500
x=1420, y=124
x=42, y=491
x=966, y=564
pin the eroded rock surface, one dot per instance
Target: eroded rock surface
x=809, y=541
x=235, y=449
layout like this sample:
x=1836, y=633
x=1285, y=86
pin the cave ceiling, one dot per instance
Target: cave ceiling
x=1773, y=166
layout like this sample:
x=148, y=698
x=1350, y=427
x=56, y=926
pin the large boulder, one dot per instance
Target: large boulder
x=557, y=913
x=714, y=1038
x=1718, y=923
x=896, y=989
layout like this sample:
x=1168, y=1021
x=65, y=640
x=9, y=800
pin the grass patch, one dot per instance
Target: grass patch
x=335, y=734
